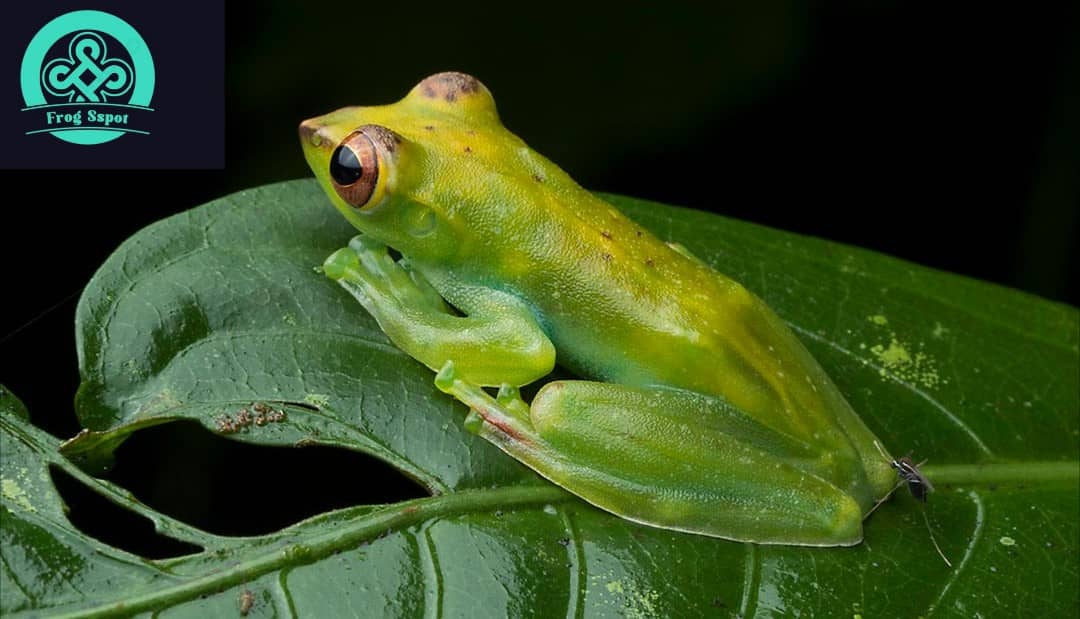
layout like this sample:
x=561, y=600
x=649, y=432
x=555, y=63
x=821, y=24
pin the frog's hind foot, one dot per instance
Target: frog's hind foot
x=505, y=414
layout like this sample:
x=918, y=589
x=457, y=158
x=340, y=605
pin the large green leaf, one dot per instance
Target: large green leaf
x=218, y=309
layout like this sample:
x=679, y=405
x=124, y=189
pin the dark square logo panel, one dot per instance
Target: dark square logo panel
x=113, y=85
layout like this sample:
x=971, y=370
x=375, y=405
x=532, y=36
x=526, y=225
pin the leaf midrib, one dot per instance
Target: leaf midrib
x=372, y=525
x=1004, y=472
x=409, y=513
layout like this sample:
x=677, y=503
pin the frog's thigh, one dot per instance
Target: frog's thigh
x=658, y=456
x=499, y=341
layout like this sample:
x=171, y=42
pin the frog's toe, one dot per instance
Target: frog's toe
x=339, y=263
x=444, y=378
x=507, y=393
x=358, y=265
x=509, y=397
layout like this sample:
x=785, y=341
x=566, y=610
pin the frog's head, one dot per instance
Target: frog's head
x=427, y=174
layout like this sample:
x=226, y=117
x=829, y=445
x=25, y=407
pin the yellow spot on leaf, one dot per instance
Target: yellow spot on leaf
x=893, y=356
x=643, y=604
x=1007, y=541
x=899, y=361
x=12, y=491
x=878, y=319
x=637, y=603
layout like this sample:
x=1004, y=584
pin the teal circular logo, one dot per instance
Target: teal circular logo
x=90, y=76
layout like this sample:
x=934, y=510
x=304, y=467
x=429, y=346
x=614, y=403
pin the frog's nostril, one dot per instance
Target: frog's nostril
x=309, y=133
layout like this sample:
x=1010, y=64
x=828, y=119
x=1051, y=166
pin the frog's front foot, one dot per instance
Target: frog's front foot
x=367, y=270
x=497, y=340
x=506, y=408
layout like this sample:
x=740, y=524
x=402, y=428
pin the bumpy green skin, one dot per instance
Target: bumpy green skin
x=708, y=414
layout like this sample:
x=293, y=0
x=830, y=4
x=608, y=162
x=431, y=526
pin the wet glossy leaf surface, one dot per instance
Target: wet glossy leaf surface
x=217, y=316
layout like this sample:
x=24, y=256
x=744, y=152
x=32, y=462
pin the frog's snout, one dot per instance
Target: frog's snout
x=311, y=134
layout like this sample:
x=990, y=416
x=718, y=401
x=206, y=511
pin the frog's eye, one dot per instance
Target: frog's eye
x=354, y=169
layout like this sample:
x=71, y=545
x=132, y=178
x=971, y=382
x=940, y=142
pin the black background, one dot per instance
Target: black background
x=943, y=135
x=188, y=122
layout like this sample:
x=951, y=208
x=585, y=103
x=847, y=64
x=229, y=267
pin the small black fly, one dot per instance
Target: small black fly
x=909, y=474
x=917, y=484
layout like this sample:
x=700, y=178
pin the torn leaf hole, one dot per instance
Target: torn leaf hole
x=235, y=488
x=107, y=522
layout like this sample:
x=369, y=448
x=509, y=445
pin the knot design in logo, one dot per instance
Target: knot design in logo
x=87, y=78
x=87, y=74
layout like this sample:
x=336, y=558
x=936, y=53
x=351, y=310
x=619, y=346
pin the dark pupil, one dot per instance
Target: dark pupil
x=344, y=166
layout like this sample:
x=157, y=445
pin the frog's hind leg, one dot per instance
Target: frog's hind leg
x=498, y=340
x=665, y=457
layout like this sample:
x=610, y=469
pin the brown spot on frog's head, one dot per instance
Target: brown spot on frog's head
x=453, y=91
x=449, y=86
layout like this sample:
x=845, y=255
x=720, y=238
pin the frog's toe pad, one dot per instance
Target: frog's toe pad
x=354, y=258
x=341, y=262
x=368, y=262
x=444, y=379
x=508, y=393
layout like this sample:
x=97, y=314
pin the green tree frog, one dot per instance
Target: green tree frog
x=698, y=409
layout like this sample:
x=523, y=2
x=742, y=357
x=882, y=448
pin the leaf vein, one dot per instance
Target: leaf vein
x=976, y=535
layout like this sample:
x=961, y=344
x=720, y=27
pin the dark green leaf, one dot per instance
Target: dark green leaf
x=218, y=311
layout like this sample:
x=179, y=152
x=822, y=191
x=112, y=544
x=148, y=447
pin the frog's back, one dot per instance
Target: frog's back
x=623, y=306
